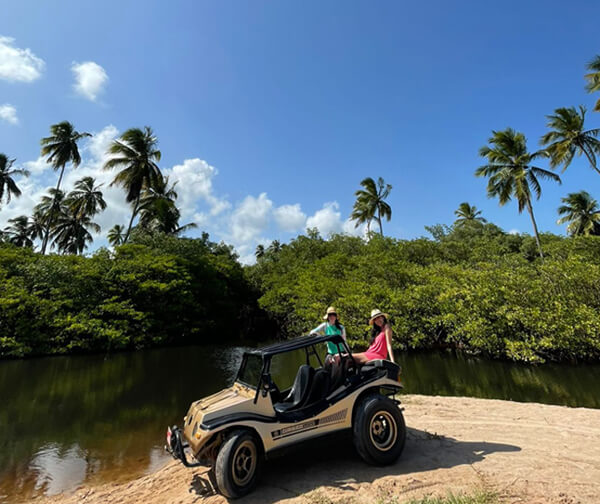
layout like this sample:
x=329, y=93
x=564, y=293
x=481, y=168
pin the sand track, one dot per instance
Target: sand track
x=527, y=453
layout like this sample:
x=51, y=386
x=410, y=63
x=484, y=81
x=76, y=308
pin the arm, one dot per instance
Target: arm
x=388, y=340
x=320, y=329
x=344, y=333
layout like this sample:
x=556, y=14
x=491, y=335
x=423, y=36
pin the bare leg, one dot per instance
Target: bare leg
x=360, y=358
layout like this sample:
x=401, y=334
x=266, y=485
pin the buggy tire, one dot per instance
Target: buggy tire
x=378, y=430
x=238, y=464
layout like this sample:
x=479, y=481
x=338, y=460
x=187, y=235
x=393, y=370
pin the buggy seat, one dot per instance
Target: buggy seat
x=299, y=392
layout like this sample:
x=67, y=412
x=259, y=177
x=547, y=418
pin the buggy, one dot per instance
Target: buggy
x=264, y=410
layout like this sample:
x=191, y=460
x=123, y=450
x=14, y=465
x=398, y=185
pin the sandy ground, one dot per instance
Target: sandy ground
x=526, y=453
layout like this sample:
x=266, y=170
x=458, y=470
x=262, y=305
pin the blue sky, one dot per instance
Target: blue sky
x=298, y=101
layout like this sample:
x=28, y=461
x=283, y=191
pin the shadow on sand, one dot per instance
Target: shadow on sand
x=332, y=461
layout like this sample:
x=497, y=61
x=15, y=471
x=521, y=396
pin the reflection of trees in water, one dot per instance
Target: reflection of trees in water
x=113, y=410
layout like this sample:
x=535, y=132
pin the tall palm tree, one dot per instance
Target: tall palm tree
x=467, y=213
x=568, y=138
x=18, y=232
x=86, y=198
x=511, y=173
x=71, y=232
x=137, y=154
x=370, y=202
x=116, y=235
x=8, y=187
x=593, y=78
x=61, y=148
x=581, y=211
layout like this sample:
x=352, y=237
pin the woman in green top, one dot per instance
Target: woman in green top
x=330, y=326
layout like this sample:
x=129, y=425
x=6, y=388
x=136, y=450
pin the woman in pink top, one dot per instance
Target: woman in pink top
x=381, y=341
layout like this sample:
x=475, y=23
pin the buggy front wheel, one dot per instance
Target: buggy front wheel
x=238, y=464
x=378, y=430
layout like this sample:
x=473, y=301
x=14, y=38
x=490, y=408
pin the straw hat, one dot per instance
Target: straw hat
x=377, y=313
x=331, y=309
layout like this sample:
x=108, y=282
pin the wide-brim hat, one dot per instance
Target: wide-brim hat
x=330, y=310
x=377, y=313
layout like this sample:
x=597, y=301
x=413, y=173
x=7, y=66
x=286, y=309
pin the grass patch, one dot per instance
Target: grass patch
x=478, y=498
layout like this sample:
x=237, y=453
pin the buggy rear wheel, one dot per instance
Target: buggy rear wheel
x=378, y=430
x=238, y=464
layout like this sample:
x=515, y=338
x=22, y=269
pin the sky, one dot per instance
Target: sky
x=269, y=114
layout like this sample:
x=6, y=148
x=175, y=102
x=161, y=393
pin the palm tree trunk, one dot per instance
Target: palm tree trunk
x=592, y=163
x=51, y=216
x=135, y=209
x=379, y=219
x=535, y=229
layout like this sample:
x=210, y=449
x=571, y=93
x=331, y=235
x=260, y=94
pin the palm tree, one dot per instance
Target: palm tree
x=581, y=211
x=260, y=251
x=18, y=232
x=61, y=148
x=8, y=187
x=362, y=213
x=48, y=209
x=568, y=138
x=137, y=154
x=274, y=247
x=157, y=208
x=37, y=225
x=116, y=235
x=593, y=78
x=370, y=201
x=86, y=198
x=70, y=233
x=467, y=213
x=511, y=173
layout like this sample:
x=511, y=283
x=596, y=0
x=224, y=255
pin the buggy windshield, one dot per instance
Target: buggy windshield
x=250, y=371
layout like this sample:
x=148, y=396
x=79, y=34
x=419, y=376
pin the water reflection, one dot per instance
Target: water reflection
x=72, y=420
x=66, y=420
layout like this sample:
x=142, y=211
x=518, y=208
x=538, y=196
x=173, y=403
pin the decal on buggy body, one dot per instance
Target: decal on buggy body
x=338, y=417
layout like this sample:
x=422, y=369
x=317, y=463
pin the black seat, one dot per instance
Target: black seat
x=392, y=369
x=299, y=391
x=319, y=388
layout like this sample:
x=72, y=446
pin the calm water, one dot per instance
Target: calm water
x=65, y=421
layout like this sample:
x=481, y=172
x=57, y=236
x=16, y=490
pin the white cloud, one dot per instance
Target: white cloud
x=349, y=227
x=195, y=183
x=290, y=218
x=514, y=232
x=9, y=113
x=90, y=79
x=250, y=218
x=37, y=167
x=18, y=64
x=327, y=220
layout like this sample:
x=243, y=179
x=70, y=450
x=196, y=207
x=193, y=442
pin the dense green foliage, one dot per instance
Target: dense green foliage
x=473, y=288
x=156, y=290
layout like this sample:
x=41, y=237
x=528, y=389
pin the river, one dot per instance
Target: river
x=66, y=421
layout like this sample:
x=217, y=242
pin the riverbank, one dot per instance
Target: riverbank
x=523, y=452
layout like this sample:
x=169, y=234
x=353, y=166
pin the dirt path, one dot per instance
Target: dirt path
x=527, y=453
